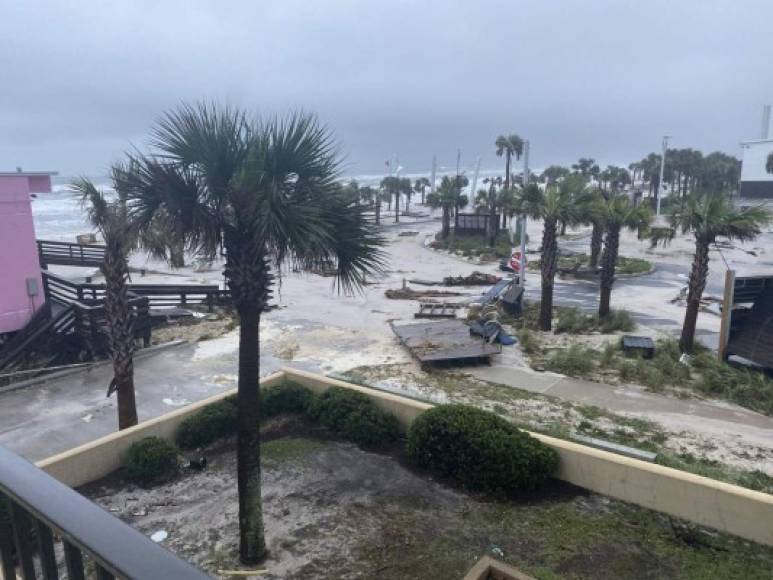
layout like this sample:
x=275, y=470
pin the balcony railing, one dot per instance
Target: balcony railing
x=37, y=512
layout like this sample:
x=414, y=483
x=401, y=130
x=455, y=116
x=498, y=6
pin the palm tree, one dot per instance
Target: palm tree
x=707, y=215
x=448, y=196
x=616, y=213
x=110, y=218
x=266, y=193
x=554, y=173
x=508, y=146
x=405, y=187
x=554, y=205
x=585, y=166
x=396, y=186
x=420, y=186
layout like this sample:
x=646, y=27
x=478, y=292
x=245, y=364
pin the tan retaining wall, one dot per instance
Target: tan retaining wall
x=733, y=509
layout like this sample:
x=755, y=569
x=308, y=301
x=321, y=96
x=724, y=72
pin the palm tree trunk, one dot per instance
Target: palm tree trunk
x=608, y=266
x=378, y=211
x=119, y=331
x=249, y=279
x=548, y=270
x=698, y=276
x=491, y=222
x=507, y=170
x=446, y=224
x=596, y=240
x=397, y=207
x=252, y=543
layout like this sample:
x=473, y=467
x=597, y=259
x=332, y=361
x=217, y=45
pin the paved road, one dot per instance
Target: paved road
x=49, y=417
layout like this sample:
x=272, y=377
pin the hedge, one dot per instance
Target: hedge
x=151, y=458
x=353, y=416
x=479, y=449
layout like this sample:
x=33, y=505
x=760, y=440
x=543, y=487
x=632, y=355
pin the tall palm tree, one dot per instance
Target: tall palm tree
x=708, y=216
x=404, y=187
x=616, y=213
x=110, y=218
x=509, y=146
x=266, y=193
x=420, y=186
x=555, y=204
x=448, y=196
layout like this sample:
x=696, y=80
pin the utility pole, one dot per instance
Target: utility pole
x=432, y=179
x=475, y=178
x=522, y=269
x=659, y=191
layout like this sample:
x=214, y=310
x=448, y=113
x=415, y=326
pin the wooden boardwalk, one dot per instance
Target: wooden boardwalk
x=443, y=341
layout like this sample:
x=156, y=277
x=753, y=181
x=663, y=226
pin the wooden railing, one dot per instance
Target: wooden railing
x=37, y=511
x=159, y=295
x=69, y=254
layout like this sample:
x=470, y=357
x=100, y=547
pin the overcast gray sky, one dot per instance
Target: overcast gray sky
x=81, y=80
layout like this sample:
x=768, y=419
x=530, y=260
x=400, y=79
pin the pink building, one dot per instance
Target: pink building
x=21, y=287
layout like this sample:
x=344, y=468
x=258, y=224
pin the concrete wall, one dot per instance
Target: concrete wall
x=725, y=507
x=18, y=251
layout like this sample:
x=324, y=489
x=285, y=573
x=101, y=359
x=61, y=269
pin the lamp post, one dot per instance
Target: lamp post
x=522, y=269
x=659, y=190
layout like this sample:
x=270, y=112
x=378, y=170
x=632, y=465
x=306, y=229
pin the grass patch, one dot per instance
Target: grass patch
x=704, y=374
x=529, y=341
x=288, y=448
x=578, y=537
x=575, y=361
x=572, y=320
x=625, y=265
x=476, y=246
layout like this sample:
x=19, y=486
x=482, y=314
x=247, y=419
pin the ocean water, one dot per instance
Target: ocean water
x=58, y=215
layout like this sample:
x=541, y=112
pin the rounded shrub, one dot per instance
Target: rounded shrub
x=353, y=416
x=285, y=398
x=211, y=423
x=151, y=458
x=479, y=449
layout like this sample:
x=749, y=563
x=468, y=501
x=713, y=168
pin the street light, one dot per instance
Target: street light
x=659, y=190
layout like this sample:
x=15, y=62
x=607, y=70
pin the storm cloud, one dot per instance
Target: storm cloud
x=80, y=82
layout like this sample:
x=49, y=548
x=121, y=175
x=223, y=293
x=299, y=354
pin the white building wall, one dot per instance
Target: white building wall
x=755, y=155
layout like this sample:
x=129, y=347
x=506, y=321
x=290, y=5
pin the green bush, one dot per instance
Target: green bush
x=479, y=449
x=616, y=320
x=745, y=387
x=151, y=458
x=530, y=342
x=574, y=321
x=211, y=423
x=627, y=265
x=574, y=361
x=285, y=398
x=354, y=417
